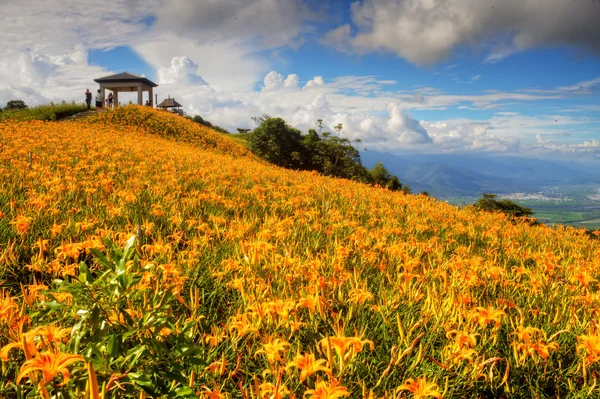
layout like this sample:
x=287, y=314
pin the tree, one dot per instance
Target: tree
x=491, y=203
x=382, y=177
x=259, y=120
x=277, y=142
x=335, y=156
x=15, y=104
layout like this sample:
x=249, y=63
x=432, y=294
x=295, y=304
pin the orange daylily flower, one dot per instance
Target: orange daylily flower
x=485, y=316
x=591, y=345
x=274, y=349
x=308, y=365
x=345, y=347
x=50, y=364
x=324, y=390
x=420, y=388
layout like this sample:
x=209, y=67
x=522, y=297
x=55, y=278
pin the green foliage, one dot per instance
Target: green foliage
x=204, y=122
x=332, y=155
x=15, y=104
x=259, y=120
x=278, y=143
x=491, y=203
x=382, y=177
x=51, y=112
x=152, y=351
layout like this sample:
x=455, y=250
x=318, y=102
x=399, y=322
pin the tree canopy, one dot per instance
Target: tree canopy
x=332, y=155
x=491, y=203
x=15, y=104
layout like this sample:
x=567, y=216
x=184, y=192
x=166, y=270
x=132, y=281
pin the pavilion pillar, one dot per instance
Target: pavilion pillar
x=140, y=95
x=150, y=97
x=116, y=98
x=103, y=94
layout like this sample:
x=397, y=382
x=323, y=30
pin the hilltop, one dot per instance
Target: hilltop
x=168, y=259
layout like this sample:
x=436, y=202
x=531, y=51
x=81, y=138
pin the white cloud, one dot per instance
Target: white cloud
x=316, y=81
x=427, y=31
x=45, y=45
x=38, y=78
x=291, y=82
x=273, y=81
x=182, y=70
x=404, y=128
x=581, y=86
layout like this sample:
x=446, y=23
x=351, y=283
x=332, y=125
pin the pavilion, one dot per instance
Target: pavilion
x=126, y=82
x=169, y=104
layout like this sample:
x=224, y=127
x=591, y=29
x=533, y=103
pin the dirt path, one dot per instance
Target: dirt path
x=78, y=116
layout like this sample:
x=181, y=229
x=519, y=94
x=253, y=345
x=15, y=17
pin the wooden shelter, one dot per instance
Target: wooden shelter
x=127, y=82
x=169, y=104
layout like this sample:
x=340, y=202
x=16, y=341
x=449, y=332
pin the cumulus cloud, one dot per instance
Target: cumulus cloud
x=275, y=81
x=405, y=129
x=291, y=82
x=316, y=81
x=469, y=136
x=182, y=70
x=45, y=45
x=39, y=78
x=426, y=31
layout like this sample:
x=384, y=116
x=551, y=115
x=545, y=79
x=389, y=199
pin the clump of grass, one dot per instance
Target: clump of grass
x=51, y=112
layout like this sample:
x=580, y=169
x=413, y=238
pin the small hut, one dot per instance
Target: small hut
x=169, y=104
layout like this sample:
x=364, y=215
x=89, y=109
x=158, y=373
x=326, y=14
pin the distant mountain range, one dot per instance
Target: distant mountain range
x=450, y=175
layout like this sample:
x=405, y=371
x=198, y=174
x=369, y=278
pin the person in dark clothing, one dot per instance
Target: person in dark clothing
x=88, y=98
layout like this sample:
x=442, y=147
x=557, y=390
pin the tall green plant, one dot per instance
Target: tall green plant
x=130, y=321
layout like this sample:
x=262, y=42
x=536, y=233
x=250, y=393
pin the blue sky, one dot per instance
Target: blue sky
x=403, y=75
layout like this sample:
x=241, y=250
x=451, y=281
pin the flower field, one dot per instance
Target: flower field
x=143, y=255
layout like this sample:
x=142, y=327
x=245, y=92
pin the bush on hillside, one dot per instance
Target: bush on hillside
x=204, y=122
x=382, y=177
x=16, y=104
x=491, y=203
x=278, y=143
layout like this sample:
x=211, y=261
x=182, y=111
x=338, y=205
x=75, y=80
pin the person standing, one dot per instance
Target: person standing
x=110, y=100
x=99, y=101
x=88, y=98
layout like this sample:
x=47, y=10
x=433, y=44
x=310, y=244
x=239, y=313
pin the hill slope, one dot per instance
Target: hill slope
x=265, y=282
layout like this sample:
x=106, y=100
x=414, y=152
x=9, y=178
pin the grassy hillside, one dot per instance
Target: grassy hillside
x=50, y=112
x=142, y=252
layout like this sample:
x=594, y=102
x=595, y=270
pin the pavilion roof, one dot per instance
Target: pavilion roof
x=169, y=103
x=125, y=77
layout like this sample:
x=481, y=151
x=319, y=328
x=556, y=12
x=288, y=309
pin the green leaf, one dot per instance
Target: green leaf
x=183, y=392
x=141, y=379
x=114, y=345
x=84, y=273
